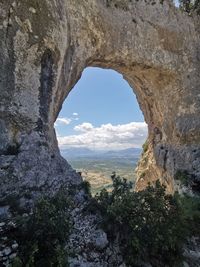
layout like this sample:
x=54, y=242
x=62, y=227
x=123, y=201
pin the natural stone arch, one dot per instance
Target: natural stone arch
x=46, y=45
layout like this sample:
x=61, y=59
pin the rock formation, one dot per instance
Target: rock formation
x=44, y=48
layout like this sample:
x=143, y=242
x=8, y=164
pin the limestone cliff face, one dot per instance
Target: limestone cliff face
x=45, y=46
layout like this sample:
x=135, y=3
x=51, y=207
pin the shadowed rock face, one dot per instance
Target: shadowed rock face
x=45, y=46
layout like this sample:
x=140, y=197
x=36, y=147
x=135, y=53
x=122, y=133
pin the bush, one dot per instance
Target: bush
x=148, y=225
x=86, y=187
x=121, y=4
x=191, y=213
x=17, y=262
x=145, y=147
x=190, y=5
x=42, y=235
x=183, y=177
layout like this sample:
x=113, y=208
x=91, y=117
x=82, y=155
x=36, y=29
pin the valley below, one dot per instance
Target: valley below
x=97, y=167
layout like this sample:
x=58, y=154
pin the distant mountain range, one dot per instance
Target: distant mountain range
x=86, y=152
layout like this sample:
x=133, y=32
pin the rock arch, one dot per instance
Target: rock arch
x=45, y=46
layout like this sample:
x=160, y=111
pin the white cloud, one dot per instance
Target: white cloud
x=84, y=127
x=107, y=136
x=66, y=121
x=62, y=121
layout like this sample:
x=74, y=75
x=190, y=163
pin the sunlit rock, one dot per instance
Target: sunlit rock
x=44, y=48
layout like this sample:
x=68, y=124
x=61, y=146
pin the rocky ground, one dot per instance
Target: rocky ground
x=88, y=243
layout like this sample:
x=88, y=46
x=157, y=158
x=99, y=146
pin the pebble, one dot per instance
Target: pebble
x=12, y=256
x=7, y=251
x=15, y=246
x=185, y=264
x=33, y=10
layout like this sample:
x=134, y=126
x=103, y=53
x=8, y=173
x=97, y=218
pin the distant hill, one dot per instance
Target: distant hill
x=125, y=152
x=97, y=166
x=85, y=152
x=77, y=152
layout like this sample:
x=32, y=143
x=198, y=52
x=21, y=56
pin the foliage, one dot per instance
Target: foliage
x=86, y=187
x=145, y=147
x=42, y=235
x=17, y=262
x=122, y=4
x=148, y=224
x=12, y=201
x=191, y=213
x=182, y=176
x=190, y=5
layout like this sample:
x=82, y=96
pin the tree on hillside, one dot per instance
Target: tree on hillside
x=190, y=5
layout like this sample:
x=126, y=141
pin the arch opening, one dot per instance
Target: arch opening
x=100, y=128
x=150, y=85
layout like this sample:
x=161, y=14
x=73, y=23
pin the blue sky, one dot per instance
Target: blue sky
x=101, y=112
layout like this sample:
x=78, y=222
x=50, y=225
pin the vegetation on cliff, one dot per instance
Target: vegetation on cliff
x=190, y=5
x=42, y=235
x=149, y=225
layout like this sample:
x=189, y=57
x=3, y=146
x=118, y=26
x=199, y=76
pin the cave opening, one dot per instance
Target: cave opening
x=100, y=128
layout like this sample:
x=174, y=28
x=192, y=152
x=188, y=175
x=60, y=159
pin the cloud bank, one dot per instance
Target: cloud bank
x=106, y=137
x=62, y=121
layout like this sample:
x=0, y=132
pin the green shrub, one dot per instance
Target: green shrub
x=121, y=4
x=17, y=262
x=191, y=213
x=145, y=147
x=42, y=235
x=183, y=177
x=13, y=201
x=86, y=187
x=148, y=224
x=190, y=5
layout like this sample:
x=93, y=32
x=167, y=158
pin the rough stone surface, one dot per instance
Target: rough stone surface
x=89, y=243
x=44, y=48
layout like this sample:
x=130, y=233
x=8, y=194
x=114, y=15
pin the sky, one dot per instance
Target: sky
x=101, y=113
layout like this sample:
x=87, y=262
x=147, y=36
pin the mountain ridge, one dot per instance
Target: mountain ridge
x=86, y=152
